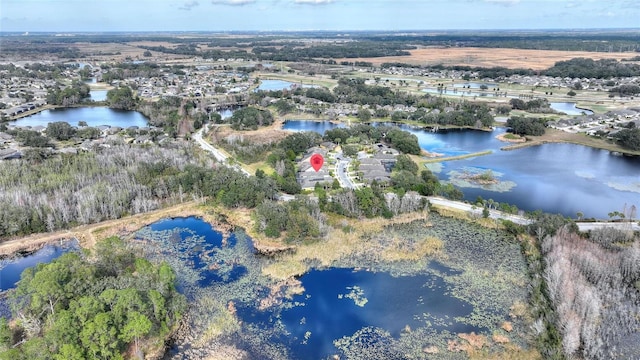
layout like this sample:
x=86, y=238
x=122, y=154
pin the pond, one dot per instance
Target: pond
x=338, y=302
x=555, y=178
x=98, y=95
x=12, y=268
x=93, y=116
x=310, y=125
x=466, y=93
x=274, y=85
x=569, y=108
x=220, y=273
x=476, y=85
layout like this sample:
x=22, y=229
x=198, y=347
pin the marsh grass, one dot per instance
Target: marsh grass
x=488, y=272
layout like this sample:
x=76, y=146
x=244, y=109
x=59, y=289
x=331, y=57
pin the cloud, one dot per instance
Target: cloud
x=189, y=5
x=313, y=2
x=233, y=2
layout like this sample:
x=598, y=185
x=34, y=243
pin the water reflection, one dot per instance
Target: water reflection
x=93, y=116
x=555, y=178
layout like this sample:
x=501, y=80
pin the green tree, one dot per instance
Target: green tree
x=136, y=327
x=121, y=98
x=364, y=115
x=60, y=130
x=404, y=162
x=100, y=337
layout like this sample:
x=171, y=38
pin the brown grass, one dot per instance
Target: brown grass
x=87, y=235
x=559, y=136
x=268, y=134
x=489, y=57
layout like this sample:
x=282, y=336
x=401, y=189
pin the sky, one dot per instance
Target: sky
x=294, y=15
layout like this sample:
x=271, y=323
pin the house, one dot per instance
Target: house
x=371, y=169
x=307, y=176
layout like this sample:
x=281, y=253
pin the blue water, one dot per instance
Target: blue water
x=274, y=85
x=93, y=116
x=476, y=85
x=456, y=142
x=325, y=313
x=306, y=125
x=11, y=269
x=199, y=254
x=98, y=95
x=326, y=309
x=569, y=108
x=555, y=178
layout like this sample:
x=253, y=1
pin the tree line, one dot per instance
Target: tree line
x=67, y=190
x=92, y=306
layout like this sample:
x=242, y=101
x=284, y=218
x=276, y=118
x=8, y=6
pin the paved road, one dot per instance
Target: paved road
x=494, y=214
x=342, y=168
x=586, y=226
x=219, y=155
x=223, y=159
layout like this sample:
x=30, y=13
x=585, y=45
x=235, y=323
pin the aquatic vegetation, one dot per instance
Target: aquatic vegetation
x=415, y=264
x=585, y=174
x=472, y=177
x=356, y=294
x=434, y=167
x=631, y=187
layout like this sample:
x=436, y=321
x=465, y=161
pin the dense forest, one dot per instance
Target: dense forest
x=92, y=306
x=68, y=190
x=594, y=285
x=68, y=95
x=250, y=118
x=526, y=126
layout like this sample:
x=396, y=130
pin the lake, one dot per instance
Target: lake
x=93, y=116
x=555, y=178
x=569, y=108
x=310, y=125
x=338, y=302
x=274, y=85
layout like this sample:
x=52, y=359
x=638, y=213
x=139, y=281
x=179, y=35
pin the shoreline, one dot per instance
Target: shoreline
x=539, y=142
x=54, y=107
x=88, y=234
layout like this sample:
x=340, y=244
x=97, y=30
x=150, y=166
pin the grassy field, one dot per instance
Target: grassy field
x=558, y=136
x=488, y=57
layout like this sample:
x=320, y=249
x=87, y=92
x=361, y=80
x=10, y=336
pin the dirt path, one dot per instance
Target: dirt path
x=87, y=235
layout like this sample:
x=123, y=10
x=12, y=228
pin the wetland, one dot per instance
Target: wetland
x=358, y=306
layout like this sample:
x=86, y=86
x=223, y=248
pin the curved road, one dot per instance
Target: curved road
x=219, y=155
x=494, y=214
x=342, y=167
x=223, y=159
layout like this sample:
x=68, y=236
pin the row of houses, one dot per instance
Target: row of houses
x=371, y=167
x=17, y=110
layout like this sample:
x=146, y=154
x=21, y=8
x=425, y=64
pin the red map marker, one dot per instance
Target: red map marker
x=316, y=161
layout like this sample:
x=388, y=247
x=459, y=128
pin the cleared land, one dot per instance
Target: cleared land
x=490, y=57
